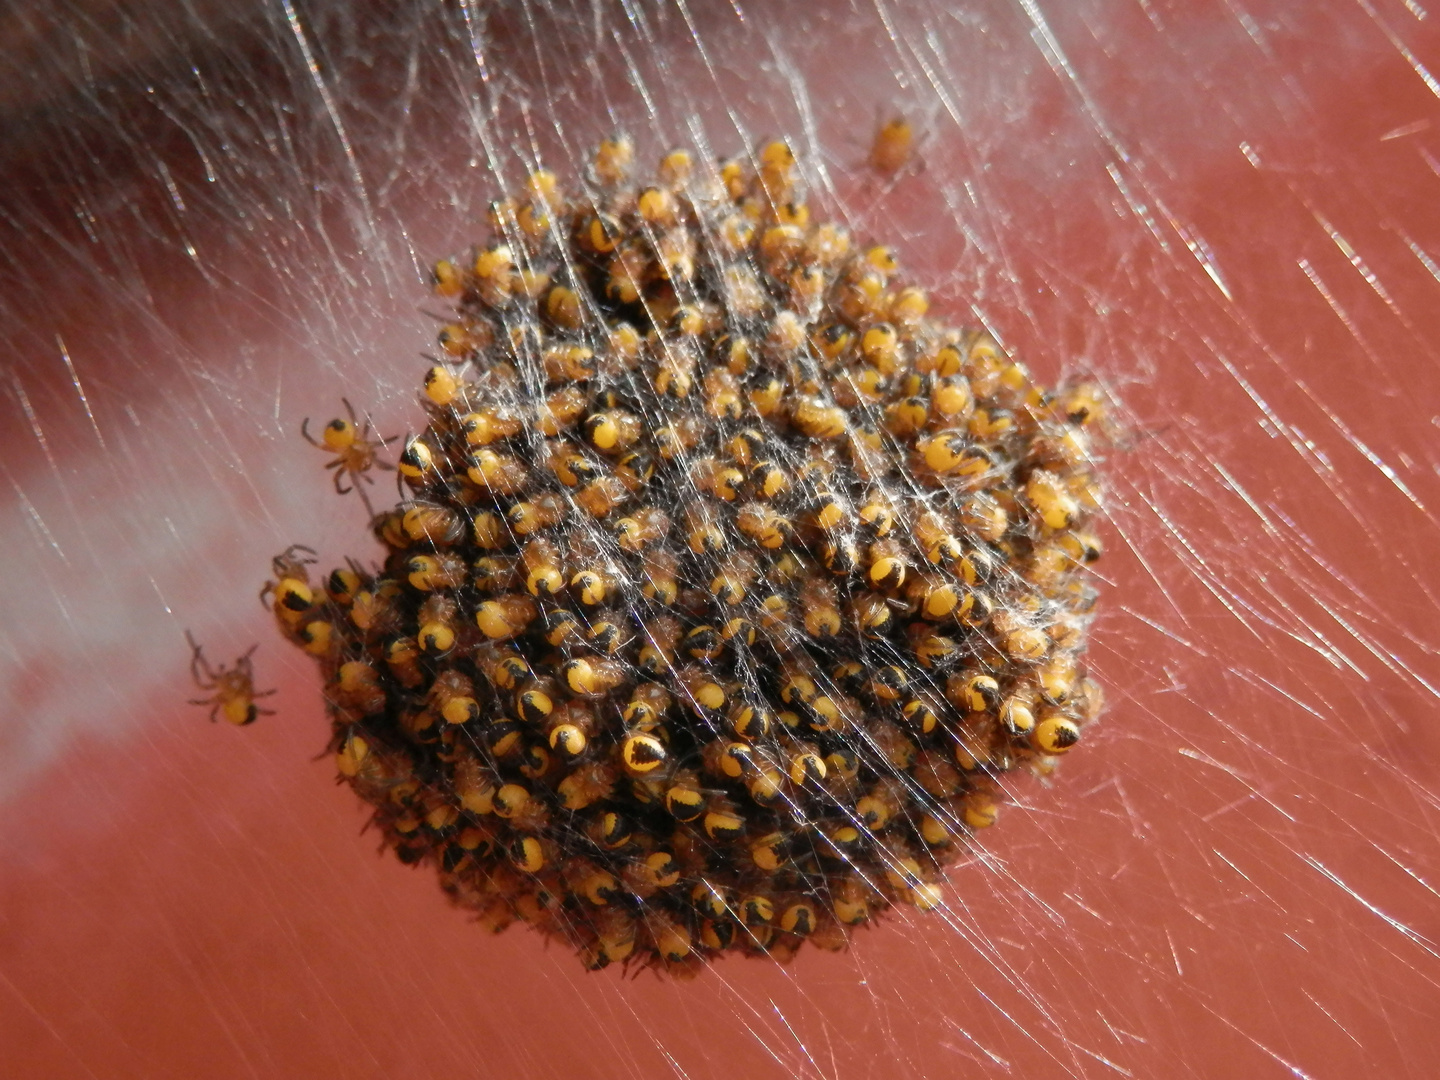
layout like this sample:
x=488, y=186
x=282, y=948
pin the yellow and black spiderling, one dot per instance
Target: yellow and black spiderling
x=726, y=584
x=232, y=689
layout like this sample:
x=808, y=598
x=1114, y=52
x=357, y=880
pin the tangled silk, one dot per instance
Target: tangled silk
x=728, y=584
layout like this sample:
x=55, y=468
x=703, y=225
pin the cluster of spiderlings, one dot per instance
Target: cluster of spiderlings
x=728, y=582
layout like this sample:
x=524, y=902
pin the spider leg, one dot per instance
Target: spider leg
x=199, y=664
x=365, y=499
x=339, y=476
x=351, y=410
x=305, y=431
x=288, y=555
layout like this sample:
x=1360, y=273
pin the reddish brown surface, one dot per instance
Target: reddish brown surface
x=183, y=900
